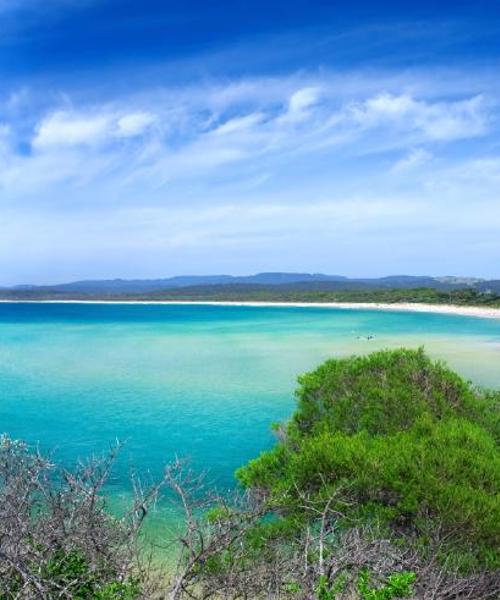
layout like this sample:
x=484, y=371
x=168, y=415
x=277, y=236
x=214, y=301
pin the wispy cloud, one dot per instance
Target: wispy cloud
x=195, y=134
x=62, y=128
x=432, y=120
x=415, y=158
x=306, y=161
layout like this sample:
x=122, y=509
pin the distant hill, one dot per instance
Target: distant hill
x=281, y=280
x=127, y=286
x=489, y=286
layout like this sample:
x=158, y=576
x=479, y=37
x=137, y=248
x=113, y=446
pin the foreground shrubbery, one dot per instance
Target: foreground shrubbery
x=57, y=540
x=397, y=441
x=385, y=484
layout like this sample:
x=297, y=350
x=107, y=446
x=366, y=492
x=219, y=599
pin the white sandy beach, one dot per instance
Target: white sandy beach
x=448, y=309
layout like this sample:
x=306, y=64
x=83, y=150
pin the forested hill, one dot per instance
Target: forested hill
x=386, y=290
x=272, y=286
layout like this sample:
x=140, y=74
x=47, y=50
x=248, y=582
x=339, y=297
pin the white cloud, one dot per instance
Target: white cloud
x=415, y=158
x=443, y=121
x=334, y=165
x=302, y=99
x=384, y=107
x=188, y=144
x=62, y=128
x=332, y=234
x=239, y=124
x=66, y=129
x=134, y=124
x=300, y=104
x=472, y=178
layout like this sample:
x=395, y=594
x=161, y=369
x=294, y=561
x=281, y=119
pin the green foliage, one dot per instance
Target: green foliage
x=328, y=590
x=324, y=590
x=117, y=590
x=382, y=393
x=218, y=513
x=265, y=532
x=71, y=571
x=464, y=296
x=399, y=440
x=398, y=585
x=292, y=588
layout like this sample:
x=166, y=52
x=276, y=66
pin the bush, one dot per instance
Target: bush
x=382, y=393
x=398, y=441
x=57, y=538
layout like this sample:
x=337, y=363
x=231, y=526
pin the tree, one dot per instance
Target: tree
x=57, y=538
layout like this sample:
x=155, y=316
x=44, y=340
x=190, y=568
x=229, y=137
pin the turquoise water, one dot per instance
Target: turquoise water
x=199, y=381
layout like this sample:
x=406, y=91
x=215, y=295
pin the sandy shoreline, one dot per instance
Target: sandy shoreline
x=447, y=309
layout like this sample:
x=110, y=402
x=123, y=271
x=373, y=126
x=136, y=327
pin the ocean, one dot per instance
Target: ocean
x=201, y=382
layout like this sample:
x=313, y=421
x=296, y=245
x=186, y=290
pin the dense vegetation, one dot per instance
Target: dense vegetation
x=57, y=538
x=384, y=484
x=398, y=441
x=463, y=297
x=315, y=292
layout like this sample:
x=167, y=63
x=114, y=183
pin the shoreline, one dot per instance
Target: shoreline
x=447, y=309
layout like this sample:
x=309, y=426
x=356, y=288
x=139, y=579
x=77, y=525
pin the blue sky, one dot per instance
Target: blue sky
x=148, y=139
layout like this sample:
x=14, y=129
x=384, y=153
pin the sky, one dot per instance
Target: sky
x=157, y=138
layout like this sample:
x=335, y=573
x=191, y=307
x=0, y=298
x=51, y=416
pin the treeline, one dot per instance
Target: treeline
x=384, y=484
x=278, y=293
x=463, y=297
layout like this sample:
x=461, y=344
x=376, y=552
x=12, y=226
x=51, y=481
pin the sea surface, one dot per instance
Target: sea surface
x=203, y=382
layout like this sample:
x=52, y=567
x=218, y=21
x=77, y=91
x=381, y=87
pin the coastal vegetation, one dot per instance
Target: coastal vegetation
x=467, y=296
x=385, y=483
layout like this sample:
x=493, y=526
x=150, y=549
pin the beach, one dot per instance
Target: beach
x=447, y=309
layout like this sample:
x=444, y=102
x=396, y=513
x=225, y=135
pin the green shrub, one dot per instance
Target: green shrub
x=381, y=393
x=71, y=571
x=394, y=438
x=398, y=585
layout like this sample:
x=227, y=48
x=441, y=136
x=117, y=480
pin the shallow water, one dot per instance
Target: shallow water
x=198, y=381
